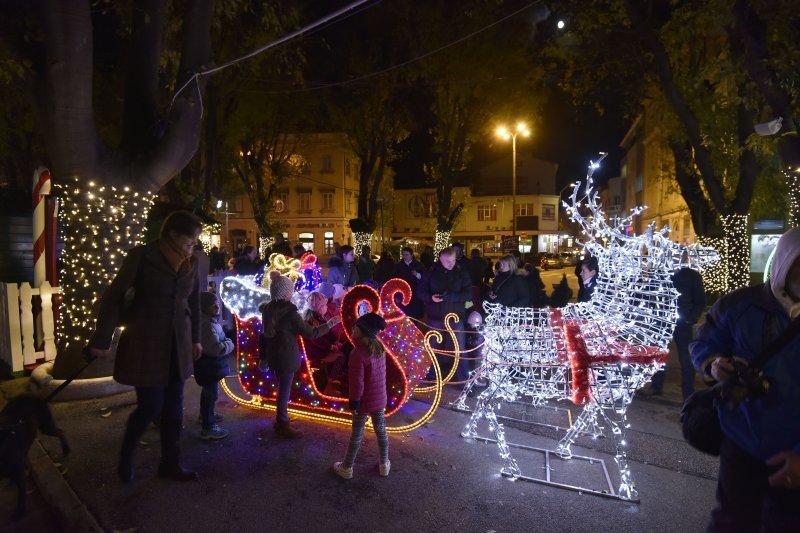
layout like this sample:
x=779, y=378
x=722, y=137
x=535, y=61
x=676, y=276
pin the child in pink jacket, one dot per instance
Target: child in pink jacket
x=367, y=372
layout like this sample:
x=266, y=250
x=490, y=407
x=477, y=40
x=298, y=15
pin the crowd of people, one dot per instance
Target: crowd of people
x=172, y=333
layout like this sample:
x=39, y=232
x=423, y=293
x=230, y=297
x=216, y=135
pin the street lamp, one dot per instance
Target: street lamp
x=506, y=134
x=381, y=200
x=227, y=231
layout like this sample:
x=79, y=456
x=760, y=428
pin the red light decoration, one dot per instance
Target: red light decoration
x=581, y=360
x=407, y=363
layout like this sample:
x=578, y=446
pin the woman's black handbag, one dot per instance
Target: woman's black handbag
x=699, y=416
x=209, y=370
x=700, y=421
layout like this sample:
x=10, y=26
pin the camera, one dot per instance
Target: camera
x=745, y=383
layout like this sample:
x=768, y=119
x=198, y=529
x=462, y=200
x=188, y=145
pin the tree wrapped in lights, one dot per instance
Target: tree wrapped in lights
x=107, y=162
x=597, y=353
x=112, y=220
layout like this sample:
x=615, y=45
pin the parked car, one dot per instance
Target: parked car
x=569, y=259
x=551, y=260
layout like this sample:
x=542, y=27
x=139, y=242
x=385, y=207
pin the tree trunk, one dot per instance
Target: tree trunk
x=106, y=191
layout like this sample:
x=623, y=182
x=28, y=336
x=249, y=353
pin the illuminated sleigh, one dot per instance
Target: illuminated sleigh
x=407, y=351
x=595, y=354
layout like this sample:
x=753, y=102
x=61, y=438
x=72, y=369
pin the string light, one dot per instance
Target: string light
x=715, y=277
x=737, y=251
x=596, y=353
x=101, y=224
x=407, y=351
x=441, y=240
x=361, y=239
x=793, y=183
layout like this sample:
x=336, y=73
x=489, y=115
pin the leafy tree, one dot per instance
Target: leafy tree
x=474, y=82
x=686, y=58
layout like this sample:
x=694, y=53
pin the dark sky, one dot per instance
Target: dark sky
x=565, y=135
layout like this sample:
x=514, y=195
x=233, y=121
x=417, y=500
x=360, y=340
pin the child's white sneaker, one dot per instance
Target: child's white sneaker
x=384, y=468
x=342, y=471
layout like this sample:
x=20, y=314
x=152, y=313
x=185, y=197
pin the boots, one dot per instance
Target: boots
x=284, y=431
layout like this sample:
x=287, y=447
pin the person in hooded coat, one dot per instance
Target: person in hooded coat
x=758, y=488
x=282, y=324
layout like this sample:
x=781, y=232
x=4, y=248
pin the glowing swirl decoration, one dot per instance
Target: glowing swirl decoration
x=287, y=266
x=596, y=353
x=312, y=273
x=407, y=352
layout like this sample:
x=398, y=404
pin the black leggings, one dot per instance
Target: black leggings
x=152, y=401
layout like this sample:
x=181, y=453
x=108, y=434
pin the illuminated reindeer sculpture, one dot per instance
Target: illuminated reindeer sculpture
x=597, y=353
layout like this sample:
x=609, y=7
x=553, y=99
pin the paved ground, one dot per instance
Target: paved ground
x=439, y=481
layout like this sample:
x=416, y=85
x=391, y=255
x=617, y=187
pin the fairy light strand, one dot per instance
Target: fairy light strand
x=597, y=353
x=101, y=224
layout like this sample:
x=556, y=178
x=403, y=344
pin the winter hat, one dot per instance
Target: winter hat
x=207, y=299
x=371, y=324
x=327, y=289
x=280, y=287
x=786, y=253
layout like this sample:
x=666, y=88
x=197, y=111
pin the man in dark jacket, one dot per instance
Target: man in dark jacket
x=410, y=270
x=281, y=246
x=759, y=463
x=247, y=264
x=445, y=289
x=691, y=302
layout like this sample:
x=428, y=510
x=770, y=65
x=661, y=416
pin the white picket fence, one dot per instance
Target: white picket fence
x=18, y=343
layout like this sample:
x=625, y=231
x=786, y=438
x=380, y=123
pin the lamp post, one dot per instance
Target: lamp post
x=506, y=134
x=381, y=200
x=227, y=231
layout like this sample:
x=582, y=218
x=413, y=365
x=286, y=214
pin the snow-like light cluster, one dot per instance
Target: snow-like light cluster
x=596, y=353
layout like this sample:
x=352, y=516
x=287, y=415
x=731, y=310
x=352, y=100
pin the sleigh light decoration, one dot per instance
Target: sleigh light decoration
x=597, y=353
x=407, y=349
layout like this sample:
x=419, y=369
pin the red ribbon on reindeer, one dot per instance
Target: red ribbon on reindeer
x=581, y=360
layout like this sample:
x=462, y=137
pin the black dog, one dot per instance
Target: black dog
x=20, y=420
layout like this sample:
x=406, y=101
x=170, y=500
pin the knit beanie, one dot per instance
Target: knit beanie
x=327, y=289
x=207, y=299
x=371, y=324
x=280, y=287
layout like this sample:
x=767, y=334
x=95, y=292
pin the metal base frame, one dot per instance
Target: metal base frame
x=611, y=493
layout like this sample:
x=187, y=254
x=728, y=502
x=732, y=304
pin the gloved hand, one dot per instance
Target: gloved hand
x=353, y=405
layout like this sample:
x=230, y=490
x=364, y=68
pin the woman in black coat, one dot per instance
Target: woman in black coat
x=161, y=337
x=509, y=288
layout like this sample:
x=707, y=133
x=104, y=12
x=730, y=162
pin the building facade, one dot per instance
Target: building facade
x=647, y=178
x=315, y=206
x=484, y=221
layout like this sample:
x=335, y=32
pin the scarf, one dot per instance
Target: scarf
x=175, y=257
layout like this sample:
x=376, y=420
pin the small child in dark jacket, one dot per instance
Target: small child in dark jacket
x=212, y=366
x=367, y=393
x=282, y=324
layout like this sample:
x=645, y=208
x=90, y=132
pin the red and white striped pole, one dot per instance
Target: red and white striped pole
x=41, y=188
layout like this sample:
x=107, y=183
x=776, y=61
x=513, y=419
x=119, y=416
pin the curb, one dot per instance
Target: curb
x=79, y=389
x=62, y=501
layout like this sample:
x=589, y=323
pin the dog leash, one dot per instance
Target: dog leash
x=89, y=360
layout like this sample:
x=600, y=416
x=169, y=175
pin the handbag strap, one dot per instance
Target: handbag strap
x=777, y=344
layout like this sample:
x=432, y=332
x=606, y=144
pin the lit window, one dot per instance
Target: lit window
x=305, y=201
x=327, y=201
x=487, y=212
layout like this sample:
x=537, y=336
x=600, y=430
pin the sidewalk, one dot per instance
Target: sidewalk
x=252, y=481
